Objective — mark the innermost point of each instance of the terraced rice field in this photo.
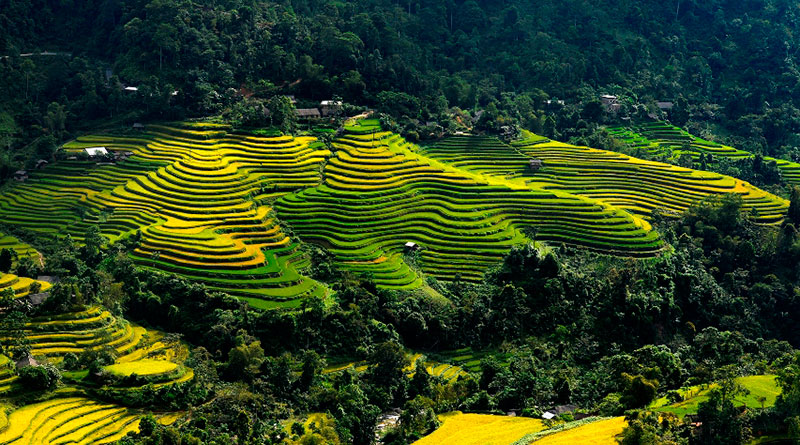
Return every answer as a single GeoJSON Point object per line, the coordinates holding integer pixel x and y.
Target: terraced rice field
{"type": "Point", "coordinates": [757, 386]}
{"type": "Point", "coordinates": [446, 371]}
{"type": "Point", "coordinates": [7, 375]}
{"type": "Point", "coordinates": [142, 368]}
{"type": "Point", "coordinates": [75, 332]}
{"type": "Point", "coordinates": [71, 417]}
{"type": "Point", "coordinates": [378, 194]}
{"type": "Point", "coordinates": [136, 349]}
{"type": "Point", "coordinates": [21, 249]}
{"type": "Point", "coordinates": [70, 420]}
{"type": "Point", "coordinates": [601, 432]}
{"type": "Point", "coordinates": [198, 194]}
{"type": "Point", "coordinates": [21, 285]}
{"type": "Point", "coordinates": [480, 429]}
{"type": "Point", "coordinates": [665, 139]}
{"type": "Point", "coordinates": [468, 359]}
{"type": "Point", "coordinates": [211, 205]}
{"type": "Point", "coordinates": [624, 182]}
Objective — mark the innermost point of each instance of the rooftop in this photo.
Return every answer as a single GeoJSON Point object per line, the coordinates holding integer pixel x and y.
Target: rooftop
{"type": "Point", "coordinates": [307, 112]}
{"type": "Point", "coordinates": [96, 151]}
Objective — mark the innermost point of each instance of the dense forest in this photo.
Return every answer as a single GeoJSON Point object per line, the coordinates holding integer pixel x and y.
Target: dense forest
{"type": "Point", "coordinates": [729, 66]}
{"type": "Point", "coordinates": [607, 335]}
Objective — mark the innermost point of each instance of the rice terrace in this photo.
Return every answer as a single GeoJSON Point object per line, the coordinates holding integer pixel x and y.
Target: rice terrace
{"type": "Point", "coordinates": [374, 222]}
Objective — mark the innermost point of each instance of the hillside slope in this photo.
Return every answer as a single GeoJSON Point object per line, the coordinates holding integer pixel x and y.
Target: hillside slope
{"type": "Point", "coordinates": [212, 205]}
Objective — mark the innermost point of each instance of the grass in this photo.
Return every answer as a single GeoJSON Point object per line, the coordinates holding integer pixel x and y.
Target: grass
{"type": "Point", "coordinates": [480, 429]}
{"type": "Point", "coordinates": [757, 386]}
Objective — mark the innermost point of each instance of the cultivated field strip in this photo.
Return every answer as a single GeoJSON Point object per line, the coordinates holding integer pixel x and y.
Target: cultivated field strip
{"type": "Point", "coordinates": [22, 286]}
{"type": "Point", "coordinates": [52, 337]}
{"type": "Point", "coordinates": [624, 182]}
{"type": "Point", "coordinates": [378, 194]}
{"type": "Point", "coordinates": [20, 249]}
{"type": "Point", "coordinates": [7, 375]}
{"type": "Point", "coordinates": [668, 140]}
{"type": "Point", "coordinates": [199, 197]}
{"type": "Point", "coordinates": [70, 420]}
{"type": "Point", "coordinates": [210, 205]}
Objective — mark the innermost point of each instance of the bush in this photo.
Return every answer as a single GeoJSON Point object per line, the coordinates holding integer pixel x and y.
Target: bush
{"type": "Point", "coordinates": [43, 377]}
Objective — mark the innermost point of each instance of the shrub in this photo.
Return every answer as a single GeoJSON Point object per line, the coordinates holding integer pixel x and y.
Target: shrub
{"type": "Point", "coordinates": [43, 377]}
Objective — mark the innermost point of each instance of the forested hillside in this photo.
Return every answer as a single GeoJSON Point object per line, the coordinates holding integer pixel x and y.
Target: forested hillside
{"type": "Point", "coordinates": [728, 64]}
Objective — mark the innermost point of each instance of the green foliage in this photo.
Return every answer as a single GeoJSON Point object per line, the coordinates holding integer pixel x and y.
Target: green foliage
{"type": "Point", "coordinates": [40, 378]}
{"type": "Point", "coordinates": [6, 260]}
{"type": "Point", "coordinates": [282, 114]}
{"type": "Point", "coordinates": [654, 429]}
{"type": "Point", "coordinates": [637, 391]}
{"type": "Point", "coordinates": [15, 343]}
{"type": "Point", "coordinates": [245, 360]}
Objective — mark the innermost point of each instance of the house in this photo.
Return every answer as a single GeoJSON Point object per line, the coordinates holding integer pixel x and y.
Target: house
{"type": "Point", "coordinates": [560, 103]}
{"type": "Point", "coordinates": [130, 89]}
{"type": "Point", "coordinates": [412, 246]}
{"type": "Point", "coordinates": [20, 175]}
{"type": "Point", "coordinates": [138, 126]}
{"type": "Point", "coordinates": [608, 99]}
{"type": "Point", "coordinates": [563, 409]}
{"type": "Point", "coordinates": [558, 410]}
{"type": "Point", "coordinates": [41, 163]}
{"type": "Point", "coordinates": [307, 113]}
{"type": "Point", "coordinates": [96, 151]}
{"type": "Point", "coordinates": [535, 164]}
{"type": "Point", "coordinates": [330, 107]}
{"type": "Point", "coordinates": [38, 298]}
{"type": "Point", "coordinates": [610, 102]}
{"type": "Point", "coordinates": [665, 106]}
{"type": "Point", "coordinates": [52, 279]}
{"type": "Point", "coordinates": [26, 361]}
{"type": "Point", "coordinates": [693, 420]}
{"type": "Point", "coordinates": [122, 155]}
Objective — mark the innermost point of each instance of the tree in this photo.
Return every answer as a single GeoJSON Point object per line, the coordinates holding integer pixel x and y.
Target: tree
{"type": "Point", "coordinates": [244, 361]}
{"type": "Point", "coordinates": [387, 364]}
{"type": "Point", "coordinates": [647, 428]}
{"type": "Point", "coordinates": [793, 215]}
{"type": "Point", "coordinates": [8, 130]}
{"type": "Point", "coordinates": [42, 377]}
{"type": "Point", "coordinates": [723, 423]}
{"type": "Point", "coordinates": [55, 119]}
{"type": "Point", "coordinates": [6, 259]}
{"type": "Point", "coordinates": [92, 244]}
{"type": "Point", "coordinates": [638, 391]}
{"type": "Point", "coordinates": [355, 416]}
{"type": "Point", "coordinates": [313, 364]}
{"type": "Point", "coordinates": [282, 113]}
{"type": "Point", "coordinates": [418, 418]}
{"type": "Point", "coordinates": [14, 342]}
